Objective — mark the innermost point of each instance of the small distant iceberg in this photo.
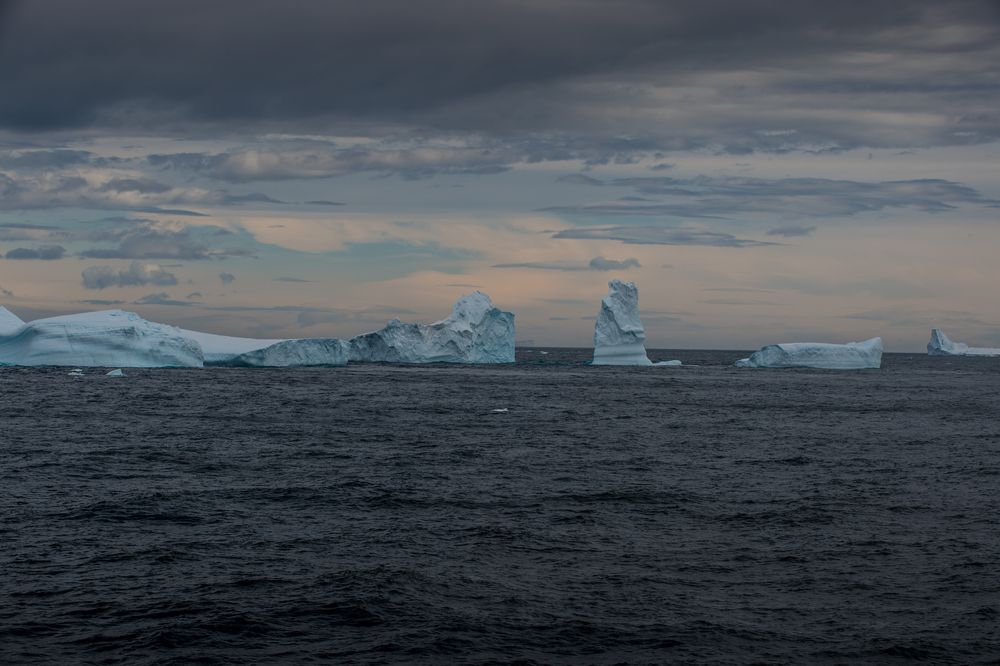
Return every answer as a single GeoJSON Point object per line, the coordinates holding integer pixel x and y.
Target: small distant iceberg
{"type": "Point", "coordinates": [940, 345]}
{"type": "Point", "coordinates": [850, 356]}
{"type": "Point", "coordinates": [307, 352]}
{"type": "Point", "coordinates": [476, 331]}
{"type": "Point", "coordinates": [667, 364]}
{"type": "Point", "coordinates": [619, 338]}
{"type": "Point", "coordinates": [107, 338]}
{"type": "Point", "coordinates": [115, 373]}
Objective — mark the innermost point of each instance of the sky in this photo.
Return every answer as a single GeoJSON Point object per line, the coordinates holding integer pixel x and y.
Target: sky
{"type": "Point", "coordinates": [764, 171]}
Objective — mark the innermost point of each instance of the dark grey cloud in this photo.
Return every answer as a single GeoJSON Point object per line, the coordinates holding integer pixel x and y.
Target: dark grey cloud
{"type": "Point", "coordinates": [580, 179]}
{"type": "Point", "coordinates": [648, 235]}
{"type": "Point", "coordinates": [757, 74]}
{"type": "Point", "coordinates": [708, 197]}
{"type": "Point", "coordinates": [51, 188]}
{"type": "Point", "coordinates": [161, 298]}
{"type": "Point", "coordinates": [226, 278]}
{"type": "Point", "coordinates": [137, 274]}
{"type": "Point", "coordinates": [602, 264]}
{"type": "Point", "coordinates": [44, 252]}
{"type": "Point", "coordinates": [290, 279]}
{"type": "Point", "coordinates": [145, 240]}
{"type": "Point", "coordinates": [595, 264]}
{"type": "Point", "coordinates": [100, 301]}
{"type": "Point", "coordinates": [43, 159]}
{"type": "Point", "coordinates": [790, 231]}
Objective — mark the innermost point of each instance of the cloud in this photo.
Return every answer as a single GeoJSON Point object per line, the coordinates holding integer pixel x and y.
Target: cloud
{"type": "Point", "coordinates": [639, 235]}
{"type": "Point", "coordinates": [753, 75]}
{"type": "Point", "coordinates": [44, 252]}
{"type": "Point", "coordinates": [142, 239]}
{"type": "Point", "coordinates": [730, 196]}
{"type": "Point", "coordinates": [43, 159]}
{"type": "Point", "coordinates": [602, 264]}
{"type": "Point", "coordinates": [138, 273]}
{"type": "Point", "coordinates": [19, 232]}
{"type": "Point", "coordinates": [100, 301]}
{"type": "Point", "coordinates": [161, 298]}
{"type": "Point", "coordinates": [226, 278]}
{"type": "Point", "coordinates": [791, 230]}
{"type": "Point", "coordinates": [290, 279]}
{"type": "Point", "coordinates": [595, 264]}
{"type": "Point", "coordinates": [580, 179]}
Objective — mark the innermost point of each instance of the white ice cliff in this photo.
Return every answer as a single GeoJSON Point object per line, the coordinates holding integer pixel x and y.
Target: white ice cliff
{"type": "Point", "coordinates": [940, 345]}
{"type": "Point", "coordinates": [618, 335]}
{"type": "Point", "coordinates": [108, 338]}
{"type": "Point", "coordinates": [294, 353]}
{"type": "Point", "coordinates": [851, 356]}
{"type": "Point", "coordinates": [475, 332]}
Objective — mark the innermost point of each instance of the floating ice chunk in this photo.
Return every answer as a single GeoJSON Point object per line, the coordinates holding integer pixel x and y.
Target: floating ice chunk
{"type": "Point", "coordinates": [940, 345]}
{"type": "Point", "coordinates": [293, 353]}
{"type": "Point", "coordinates": [105, 338]}
{"type": "Point", "coordinates": [853, 355]}
{"type": "Point", "coordinates": [220, 349]}
{"type": "Point", "coordinates": [475, 332]}
{"type": "Point", "coordinates": [116, 373]}
{"type": "Point", "coordinates": [75, 372]}
{"type": "Point", "coordinates": [668, 364]}
{"type": "Point", "coordinates": [502, 410]}
{"type": "Point", "coordinates": [618, 334]}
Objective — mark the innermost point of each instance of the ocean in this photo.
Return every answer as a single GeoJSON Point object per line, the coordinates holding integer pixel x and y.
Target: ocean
{"type": "Point", "coordinates": [387, 514]}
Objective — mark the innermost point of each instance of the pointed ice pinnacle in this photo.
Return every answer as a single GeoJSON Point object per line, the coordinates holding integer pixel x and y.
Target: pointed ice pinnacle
{"type": "Point", "coordinates": [115, 373]}
{"type": "Point", "coordinates": [618, 334]}
{"type": "Point", "coordinates": [940, 345]}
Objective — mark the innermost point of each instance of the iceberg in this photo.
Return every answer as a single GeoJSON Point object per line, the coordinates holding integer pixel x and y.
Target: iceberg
{"type": "Point", "coordinates": [850, 356]}
{"type": "Point", "coordinates": [475, 332]}
{"type": "Point", "coordinates": [105, 338]}
{"type": "Point", "coordinates": [115, 373]}
{"type": "Point", "coordinates": [618, 334]}
{"type": "Point", "coordinates": [940, 345]}
{"type": "Point", "coordinates": [221, 349]}
{"type": "Point", "coordinates": [10, 323]}
{"type": "Point", "coordinates": [294, 353]}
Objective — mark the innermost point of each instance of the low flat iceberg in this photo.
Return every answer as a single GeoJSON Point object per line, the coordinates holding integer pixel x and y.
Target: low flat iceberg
{"type": "Point", "coordinates": [850, 356]}
{"type": "Point", "coordinates": [475, 332]}
{"type": "Point", "coordinates": [294, 353]}
{"type": "Point", "coordinates": [107, 338]}
{"type": "Point", "coordinates": [619, 338]}
{"type": "Point", "coordinates": [940, 345]}
{"type": "Point", "coordinates": [221, 349]}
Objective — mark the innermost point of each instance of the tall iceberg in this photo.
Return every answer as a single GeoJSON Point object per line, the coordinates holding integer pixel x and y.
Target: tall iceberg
{"type": "Point", "coordinates": [850, 356]}
{"type": "Point", "coordinates": [941, 345]}
{"type": "Point", "coordinates": [107, 338]}
{"type": "Point", "coordinates": [294, 353]}
{"type": "Point", "coordinates": [476, 331]}
{"type": "Point", "coordinates": [619, 338]}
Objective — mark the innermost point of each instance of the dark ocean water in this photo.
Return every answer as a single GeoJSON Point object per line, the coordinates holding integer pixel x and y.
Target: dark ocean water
{"type": "Point", "coordinates": [383, 514]}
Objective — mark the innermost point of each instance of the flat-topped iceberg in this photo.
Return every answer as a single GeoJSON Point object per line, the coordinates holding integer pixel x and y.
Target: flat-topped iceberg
{"type": "Point", "coordinates": [108, 338]}
{"type": "Point", "coordinates": [850, 356]}
{"type": "Point", "coordinates": [475, 332]}
{"type": "Point", "coordinates": [940, 345]}
{"type": "Point", "coordinates": [294, 353]}
{"type": "Point", "coordinates": [619, 338]}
